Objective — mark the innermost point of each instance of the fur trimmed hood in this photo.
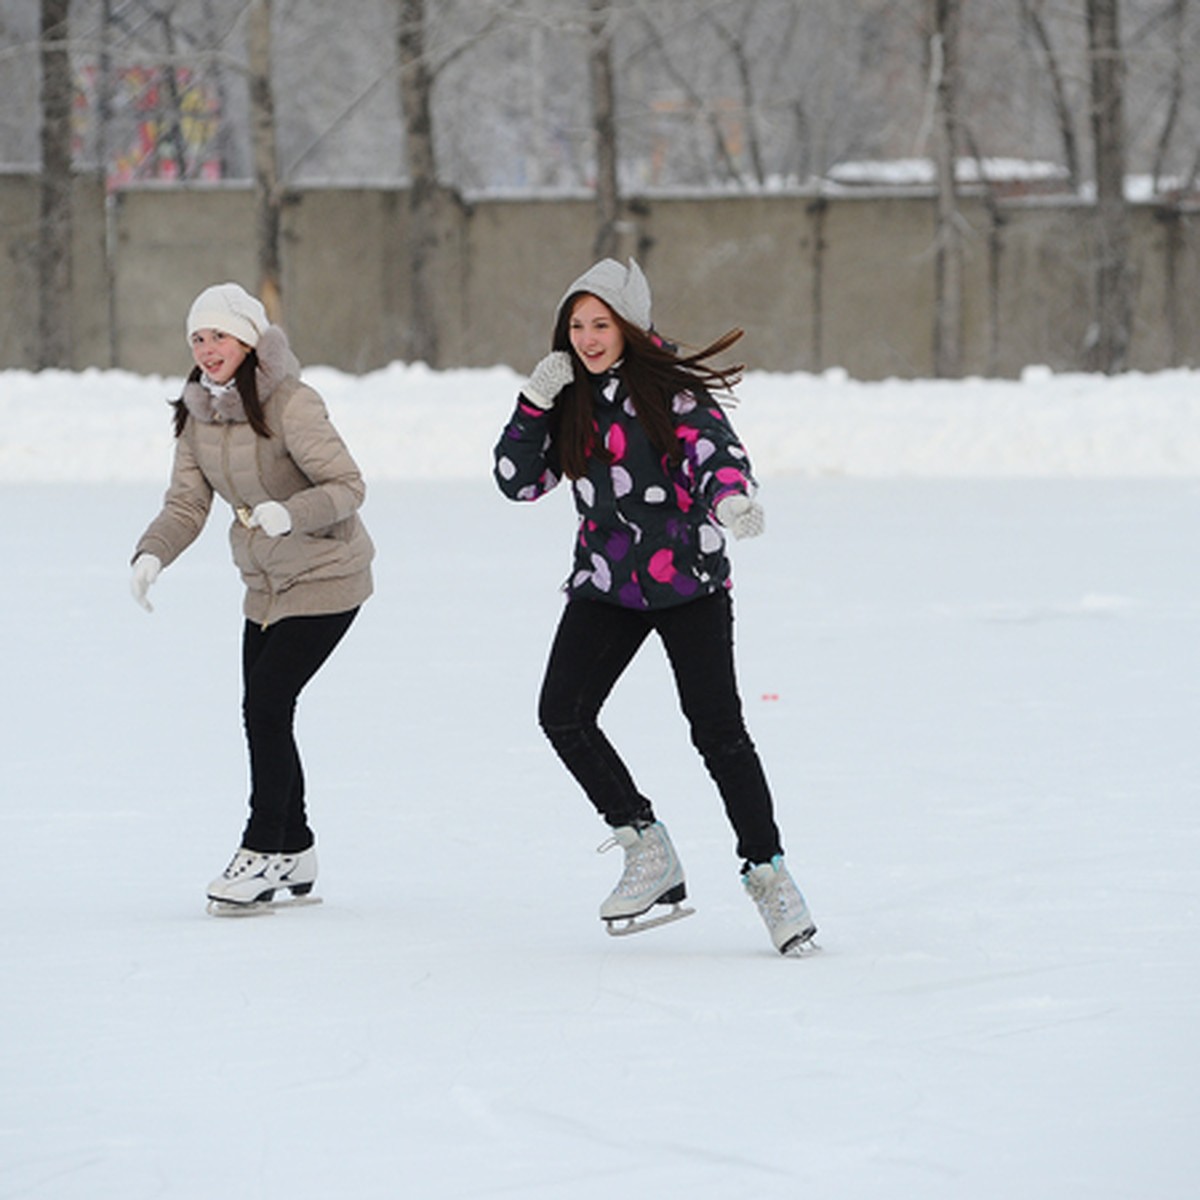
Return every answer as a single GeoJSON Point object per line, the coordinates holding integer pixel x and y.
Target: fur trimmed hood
{"type": "Point", "coordinates": [276, 362]}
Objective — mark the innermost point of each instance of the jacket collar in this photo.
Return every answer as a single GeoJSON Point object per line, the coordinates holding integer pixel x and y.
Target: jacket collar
{"type": "Point", "coordinates": [213, 404]}
{"type": "Point", "coordinates": [608, 387]}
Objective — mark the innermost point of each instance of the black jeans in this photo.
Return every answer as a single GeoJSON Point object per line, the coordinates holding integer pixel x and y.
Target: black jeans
{"type": "Point", "coordinates": [594, 644]}
{"type": "Point", "coordinates": [276, 664]}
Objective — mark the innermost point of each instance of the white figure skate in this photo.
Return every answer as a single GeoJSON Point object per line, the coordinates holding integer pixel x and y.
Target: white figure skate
{"type": "Point", "coordinates": [782, 907]}
{"type": "Point", "coordinates": [248, 885]}
{"type": "Point", "coordinates": [652, 875]}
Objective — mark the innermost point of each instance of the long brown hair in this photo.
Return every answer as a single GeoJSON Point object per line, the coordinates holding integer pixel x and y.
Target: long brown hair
{"type": "Point", "coordinates": [246, 378]}
{"type": "Point", "coordinates": [654, 373]}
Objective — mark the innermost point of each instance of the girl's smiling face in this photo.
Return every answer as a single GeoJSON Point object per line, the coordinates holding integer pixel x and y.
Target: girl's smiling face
{"type": "Point", "coordinates": [218, 354]}
{"type": "Point", "coordinates": [595, 335]}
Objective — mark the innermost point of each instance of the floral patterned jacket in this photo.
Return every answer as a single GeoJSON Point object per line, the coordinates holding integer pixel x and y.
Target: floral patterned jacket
{"type": "Point", "coordinates": [647, 535]}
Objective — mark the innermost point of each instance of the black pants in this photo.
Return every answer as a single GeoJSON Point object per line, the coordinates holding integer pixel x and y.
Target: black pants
{"type": "Point", "coordinates": [594, 644]}
{"type": "Point", "coordinates": [276, 664]}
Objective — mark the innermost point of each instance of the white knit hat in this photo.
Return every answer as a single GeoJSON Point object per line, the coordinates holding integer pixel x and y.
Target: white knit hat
{"type": "Point", "coordinates": [624, 289]}
{"type": "Point", "coordinates": [231, 309]}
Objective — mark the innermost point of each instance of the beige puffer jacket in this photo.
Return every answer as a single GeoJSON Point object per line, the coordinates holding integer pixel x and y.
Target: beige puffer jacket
{"type": "Point", "coordinates": [324, 564]}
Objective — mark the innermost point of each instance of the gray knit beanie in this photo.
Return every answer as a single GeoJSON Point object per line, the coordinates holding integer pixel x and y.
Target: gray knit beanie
{"type": "Point", "coordinates": [624, 289]}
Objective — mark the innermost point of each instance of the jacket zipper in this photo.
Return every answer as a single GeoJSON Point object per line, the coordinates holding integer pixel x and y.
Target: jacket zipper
{"type": "Point", "coordinates": [241, 506]}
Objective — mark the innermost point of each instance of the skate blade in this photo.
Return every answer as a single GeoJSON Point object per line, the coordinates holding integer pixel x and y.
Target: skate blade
{"type": "Point", "coordinates": [259, 908]}
{"type": "Point", "coordinates": [803, 946]}
{"type": "Point", "coordinates": [622, 926]}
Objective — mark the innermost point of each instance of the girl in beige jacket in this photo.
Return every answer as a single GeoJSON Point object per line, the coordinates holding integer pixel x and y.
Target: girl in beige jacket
{"type": "Point", "coordinates": [249, 431]}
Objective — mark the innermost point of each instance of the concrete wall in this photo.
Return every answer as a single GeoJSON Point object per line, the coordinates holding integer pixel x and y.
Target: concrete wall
{"type": "Point", "coordinates": [19, 223]}
{"type": "Point", "coordinates": [815, 281]}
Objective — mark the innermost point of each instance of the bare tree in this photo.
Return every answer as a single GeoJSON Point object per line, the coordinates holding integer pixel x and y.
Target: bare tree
{"type": "Point", "coordinates": [428, 201]}
{"type": "Point", "coordinates": [736, 44]}
{"type": "Point", "coordinates": [1031, 13]}
{"type": "Point", "coordinates": [54, 237]}
{"type": "Point", "coordinates": [268, 197]}
{"type": "Point", "coordinates": [1177, 15]}
{"type": "Point", "coordinates": [995, 251]}
{"type": "Point", "coordinates": [604, 124]}
{"type": "Point", "coordinates": [104, 106]}
{"type": "Point", "coordinates": [948, 250]}
{"type": "Point", "coordinates": [754, 77]}
{"type": "Point", "coordinates": [173, 109]}
{"type": "Point", "coordinates": [725, 165]}
{"type": "Point", "coordinates": [416, 100]}
{"type": "Point", "coordinates": [1109, 339]}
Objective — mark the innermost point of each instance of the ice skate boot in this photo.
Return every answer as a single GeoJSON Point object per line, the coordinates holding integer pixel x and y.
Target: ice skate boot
{"type": "Point", "coordinates": [653, 875]}
{"type": "Point", "coordinates": [781, 906]}
{"type": "Point", "coordinates": [252, 878]}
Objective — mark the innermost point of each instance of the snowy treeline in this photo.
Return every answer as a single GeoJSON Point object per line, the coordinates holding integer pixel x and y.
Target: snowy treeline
{"type": "Point", "coordinates": [708, 92]}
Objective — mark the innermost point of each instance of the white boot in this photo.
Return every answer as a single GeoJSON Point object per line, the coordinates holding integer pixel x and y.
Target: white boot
{"type": "Point", "coordinates": [652, 875]}
{"type": "Point", "coordinates": [781, 906]}
{"type": "Point", "coordinates": [253, 876]}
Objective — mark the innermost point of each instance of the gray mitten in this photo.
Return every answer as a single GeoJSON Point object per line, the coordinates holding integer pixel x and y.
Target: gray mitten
{"type": "Point", "coordinates": [549, 378]}
{"type": "Point", "coordinates": [742, 516]}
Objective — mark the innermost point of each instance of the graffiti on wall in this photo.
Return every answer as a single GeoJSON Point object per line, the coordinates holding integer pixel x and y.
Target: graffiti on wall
{"type": "Point", "coordinates": [162, 124]}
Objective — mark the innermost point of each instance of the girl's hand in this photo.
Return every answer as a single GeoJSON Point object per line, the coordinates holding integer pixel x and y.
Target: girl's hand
{"type": "Point", "coordinates": [145, 571]}
{"type": "Point", "coordinates": [742, 516]}
{"type": "Point", "coordinates": [272, 518]}
{"type": "Point", "coordinates": [549, 378]}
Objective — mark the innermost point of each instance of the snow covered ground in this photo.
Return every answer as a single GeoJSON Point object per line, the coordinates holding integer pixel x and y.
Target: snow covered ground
{"type": "Point", "coordinates": [968, 649]}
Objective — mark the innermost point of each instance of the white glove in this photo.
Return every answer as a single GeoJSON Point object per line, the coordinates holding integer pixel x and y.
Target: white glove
{"type": "Point", "coordinates": [145, 571]}
{"type": "Point", "coordinates": [272, 518]}
{"type": "Point", "coordinates": [742, 516]}
{"type": "Point", "coordinates": [549, 378]}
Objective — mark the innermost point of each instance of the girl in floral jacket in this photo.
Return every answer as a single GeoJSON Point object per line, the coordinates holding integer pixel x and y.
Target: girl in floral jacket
{"type": "Point", "coordinates": [658, 475]}
{"type": "Point", "coordinates": [248, 431]}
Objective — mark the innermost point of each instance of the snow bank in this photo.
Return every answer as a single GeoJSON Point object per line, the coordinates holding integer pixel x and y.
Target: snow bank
{"type": "Point", "coordinates": [408, 422]}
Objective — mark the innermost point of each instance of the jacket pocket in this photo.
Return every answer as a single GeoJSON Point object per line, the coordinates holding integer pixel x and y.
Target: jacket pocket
{"type": "Point", "coordinates": [245, 559]}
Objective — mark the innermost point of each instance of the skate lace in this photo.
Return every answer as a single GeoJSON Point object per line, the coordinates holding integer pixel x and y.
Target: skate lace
{"type": "Point", "coordinates": [241, 862]}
